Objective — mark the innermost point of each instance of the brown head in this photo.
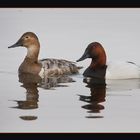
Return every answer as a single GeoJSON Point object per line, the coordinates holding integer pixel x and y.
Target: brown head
{"type": "Point", "coordinates": [30, 64]}
{"type": "Point", "coordinates": [30, 41]}
{"type": "Point", "coordinates": [26, 40]}
{"type": "Point", "coordinates": [96, 52]}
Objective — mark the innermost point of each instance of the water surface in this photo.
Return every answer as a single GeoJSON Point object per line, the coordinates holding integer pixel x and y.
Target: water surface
{"type": "Point", "coordinates": [28, 104]}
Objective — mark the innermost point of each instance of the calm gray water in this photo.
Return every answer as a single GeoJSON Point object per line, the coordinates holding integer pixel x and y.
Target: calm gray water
{"type": "Point", "coordinates": [65, 107]}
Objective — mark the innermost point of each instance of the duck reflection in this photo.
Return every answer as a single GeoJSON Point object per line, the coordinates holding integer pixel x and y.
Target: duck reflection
{"type": "Point", "coordinates": [53, 82]}
{"type": "Point", "coordinates": [32, 83]}
{"type": "Point", "coordinates": [28, 118]}
{"type": "Point", "coordinates": [97, 96]}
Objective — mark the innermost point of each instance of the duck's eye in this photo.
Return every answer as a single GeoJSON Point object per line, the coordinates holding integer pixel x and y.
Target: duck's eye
{"type": "Point", "coordinates": [27, 37]}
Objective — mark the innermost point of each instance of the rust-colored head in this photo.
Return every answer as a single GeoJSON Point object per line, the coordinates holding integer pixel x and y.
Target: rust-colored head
{"type": "Point", "coordinates": [95, 51]}
{"type": "Point", "coordinates": [97, 68]}
{"type": "Point", "coordinates": [27, 40]}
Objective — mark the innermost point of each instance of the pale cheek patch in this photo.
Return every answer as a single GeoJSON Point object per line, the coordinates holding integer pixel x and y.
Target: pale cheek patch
{"type": "Point", "coordinates": [31, 51]}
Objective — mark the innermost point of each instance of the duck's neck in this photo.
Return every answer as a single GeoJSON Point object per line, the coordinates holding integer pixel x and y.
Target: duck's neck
{"type": "Point", "coordinates": [98, 62]}
{"type": "Point", "coordinates": [97, 68]}
{"type": "Point", "coordinates": [30, 63]}
{"type": "Point", "coordinates": [32, 53]}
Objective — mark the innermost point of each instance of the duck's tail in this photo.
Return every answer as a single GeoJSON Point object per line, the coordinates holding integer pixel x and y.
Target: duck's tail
{"type": "Point", "coordinates": [133, 64]}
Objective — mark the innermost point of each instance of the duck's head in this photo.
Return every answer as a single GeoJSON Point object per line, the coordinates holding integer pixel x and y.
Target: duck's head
{"type": "Point", "coordinates": [97, 68]}
{"type": "Point", "coordinates": [30, 41]}
{"type": "Point", "coordinates": [27, 40]}
{"type": "Point", "coordinates": [95, 51]}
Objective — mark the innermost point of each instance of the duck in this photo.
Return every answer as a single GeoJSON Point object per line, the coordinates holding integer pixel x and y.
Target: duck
{"type": "Point", "coordinates": [101, 69]}
{"type": "Point", "coordinates": [44, 67]}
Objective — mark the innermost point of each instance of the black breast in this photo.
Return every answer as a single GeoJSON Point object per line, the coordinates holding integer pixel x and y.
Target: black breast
{"type": "Point", "coordinates": [95, 73]}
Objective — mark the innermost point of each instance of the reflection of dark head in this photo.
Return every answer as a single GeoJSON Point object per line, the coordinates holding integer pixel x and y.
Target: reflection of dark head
{"type": "Point", "coordinates": [97, 88]}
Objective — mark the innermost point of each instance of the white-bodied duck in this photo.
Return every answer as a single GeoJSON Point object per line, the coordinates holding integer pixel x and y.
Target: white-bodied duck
{"type": "Point", "coordinates": [113, 70]}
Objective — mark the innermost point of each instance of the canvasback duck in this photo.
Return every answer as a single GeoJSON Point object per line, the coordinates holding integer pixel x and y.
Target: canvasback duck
{"type": "Point", "coordinates": [113, 70]}
{"type": "Point", "coordinates": [49, 67]}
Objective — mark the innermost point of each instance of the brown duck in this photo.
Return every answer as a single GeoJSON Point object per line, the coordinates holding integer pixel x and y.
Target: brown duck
{"type": "Point", "coordinates": [49, 67]}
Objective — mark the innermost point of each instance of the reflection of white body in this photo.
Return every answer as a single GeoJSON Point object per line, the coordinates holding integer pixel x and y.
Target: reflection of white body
{"type": "Point", "coordinates": [123, 84]}
{"type": "Point", "coordinates": [122, 70]}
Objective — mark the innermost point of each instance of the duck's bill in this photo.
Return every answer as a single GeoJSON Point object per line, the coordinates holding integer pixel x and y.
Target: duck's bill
{"type": "Point", "coordinates": [84, 56]}
{"type": "Point", "coordinates": [15, 45]}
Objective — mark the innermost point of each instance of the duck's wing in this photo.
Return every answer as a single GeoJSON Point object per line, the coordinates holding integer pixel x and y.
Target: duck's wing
{"type": "Point", "coordinates": [59, 66]}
